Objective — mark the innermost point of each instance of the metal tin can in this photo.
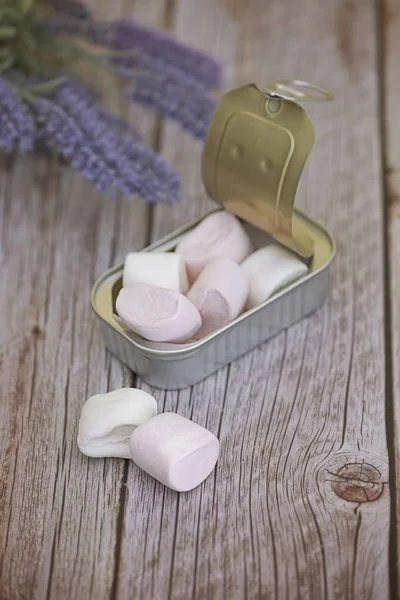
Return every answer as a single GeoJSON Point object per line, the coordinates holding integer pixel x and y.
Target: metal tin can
{"type": "Point", "coordinates": [254, 154]}
{"type": "Point", "coordinates": [173, 366]}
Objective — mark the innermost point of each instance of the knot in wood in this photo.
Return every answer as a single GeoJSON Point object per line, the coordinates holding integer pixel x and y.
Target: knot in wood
{"type": "Point", "coordinates": [37, 332]}
{"type": "Point", "coordinates": [358, 482]}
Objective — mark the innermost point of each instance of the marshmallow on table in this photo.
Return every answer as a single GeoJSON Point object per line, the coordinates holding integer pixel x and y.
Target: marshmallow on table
{"type": "Point", "coordinates": [268, 270]}
{"type": "Point", "coordinates": [108, 420]}
{"type": "Point", "coordinates": [163, 269]}
{"type": "Point", "coordinates": [175, 451]}
{"type": "Point", "coordinates": [157, 314]}
{"type": "Point", "coordinates": [219, 294]}
{"type": "Point", "coordinates": [219, 235]}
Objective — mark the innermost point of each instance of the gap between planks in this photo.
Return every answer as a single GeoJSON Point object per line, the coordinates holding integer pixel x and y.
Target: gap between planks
{"type": "Point", "coordinates": [388, 12]}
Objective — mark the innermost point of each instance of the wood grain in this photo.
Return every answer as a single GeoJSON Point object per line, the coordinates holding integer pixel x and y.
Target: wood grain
{"type": "Point", "coordinates": [58, 509]}
{"type": "Point", "coordinates": [298, 506]}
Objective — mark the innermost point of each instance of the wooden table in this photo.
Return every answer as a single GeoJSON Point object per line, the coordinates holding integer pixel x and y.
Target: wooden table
{"type": "Point", "coordinates": [303, 503]}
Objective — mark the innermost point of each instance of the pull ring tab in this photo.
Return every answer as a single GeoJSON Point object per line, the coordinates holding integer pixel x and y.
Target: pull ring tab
{"type": "Point", "coordinates": [296, 90]}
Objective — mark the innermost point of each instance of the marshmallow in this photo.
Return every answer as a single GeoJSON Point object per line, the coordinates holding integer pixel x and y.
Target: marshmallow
{"type": "Point", "coordinates": [219, 235]}
{"type": "Point", "coordinates": [269, 269]}
{"type": "Point", "coordinates": [157, 314]}
{"type": "Point", "coordinates": [219, 294]}
{"type": "Point", "coordinates": [175, 451]}
{"type": "Point", "coordinates": [163, 269]}
{"type": "Point", "coordinates": [107, 421]}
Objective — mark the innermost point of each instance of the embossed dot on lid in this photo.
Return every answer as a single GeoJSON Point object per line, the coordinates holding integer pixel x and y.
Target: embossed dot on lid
{"type": "Point", "coordinates": [236, 151]}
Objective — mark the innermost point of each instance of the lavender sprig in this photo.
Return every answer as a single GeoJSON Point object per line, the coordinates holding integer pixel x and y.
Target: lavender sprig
{"type": "Point", "coordinates": [196, 64]}
{"type": "Point", "coordinates": [80, 104]}
{"type": "Point", "coordinates": [61, 114]}
{"type": "Point", "coordinates": [17, 128]}
{"type": "Point", "coordinates": [129, 35]}
{"type": "Point", "coordinates": [165, 75]}
{"type": "Point", "coordinates": [177, 96]}
{"type": "Point", "coordinates": [75, 127]}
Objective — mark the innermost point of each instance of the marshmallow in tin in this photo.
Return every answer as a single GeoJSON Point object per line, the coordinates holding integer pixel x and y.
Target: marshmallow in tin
{"type": "Point", "coordinates": [157, 314]}
{"type": "Point", "coordinates": [220, 235]}
{"type": "Point", "coordinates": [108, 420]}
{"type": "Point", "coordinates": [162, 269]}
{"type": "Point", "coordinates": [219, 294]}
{"type": "Point", "coordinates": [175, 451]}
{"type": "Point", "coordinates": [270, 269]}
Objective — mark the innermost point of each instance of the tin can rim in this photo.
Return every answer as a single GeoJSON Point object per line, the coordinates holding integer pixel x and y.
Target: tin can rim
{"type": "Point", "coordinates": [194, 347]}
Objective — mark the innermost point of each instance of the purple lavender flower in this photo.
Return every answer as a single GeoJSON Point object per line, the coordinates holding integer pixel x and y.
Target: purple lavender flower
{"type": "Point", "coordinates": [73, 125]}
{"type": "Point", "coordinates": [129, 35]}
{"type": "Point", "coordinates": [76, 100]}
{"type": "Point", "coordinates": [120, 127]}
{"type": "Point", "coordinates": [196, 64]}
{"type": "Point", "coordinates": [166, 75]}
{"type": "Point", "coordinates": [17, 129]}
{"type": "Point", "coordinates": [174, 94]}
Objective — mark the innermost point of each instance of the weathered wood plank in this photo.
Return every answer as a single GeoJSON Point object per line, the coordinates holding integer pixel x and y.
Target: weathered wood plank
{"type": "Point", "coordinates": [301, 418]}
{"type": "Point", "coordinates": [59, 510]}
{"type": "Point", "coordinates": [269, 523]}
{"type": "Point", "coordinates": [165, 516]}
{"type": "Point", "coordinates": [390, 32]}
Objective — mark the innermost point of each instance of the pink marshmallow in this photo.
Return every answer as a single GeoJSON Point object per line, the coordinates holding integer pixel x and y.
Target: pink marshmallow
{"type": "Point", "coordinates": [175, 451]}
{"type": "Point", "coordinates": [219, 294]}
{"type": "Point", "coordinates": [219, 235]}
{"type": "Point", "coordinates": [157, 314]}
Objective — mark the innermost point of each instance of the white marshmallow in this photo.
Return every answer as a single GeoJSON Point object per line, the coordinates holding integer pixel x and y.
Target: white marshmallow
{"type": "Point", "coordinates": [157, 314]}
{"type": "Point", "coordinates": [163, 269]}
{"type": "Point", "coordinates": [220, 235]}
{"type": "Point", "coordinates": [268, 270]}
{"type": "Point", "coordinates": [219, 294]}
{"type": "Point", "coordinates": [107, 421]}
{"type": "Point", "coordinates": [175, 451]}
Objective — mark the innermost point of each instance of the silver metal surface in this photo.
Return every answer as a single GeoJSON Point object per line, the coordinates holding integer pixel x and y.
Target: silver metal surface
{"type": "Point", "coordinates": [173, 366]}
{"type": "Point", "coordinates": [297, 90]}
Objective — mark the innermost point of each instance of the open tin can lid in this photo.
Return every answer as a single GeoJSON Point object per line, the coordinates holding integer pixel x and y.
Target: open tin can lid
{"type": "Point", "coordinates": [256, 147]}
